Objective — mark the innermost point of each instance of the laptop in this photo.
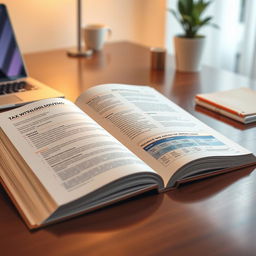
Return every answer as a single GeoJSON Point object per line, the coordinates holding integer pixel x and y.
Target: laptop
{"type": "Point", "coordinates": [16, 87]}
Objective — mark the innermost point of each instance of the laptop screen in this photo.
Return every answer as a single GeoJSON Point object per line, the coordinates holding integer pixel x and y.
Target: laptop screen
{"type": "Point", "coordinates": [11, 63]}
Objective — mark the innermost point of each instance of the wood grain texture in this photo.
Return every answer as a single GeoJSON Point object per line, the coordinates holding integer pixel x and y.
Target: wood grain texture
{"type": "Point", "coordinates": [215, 216]}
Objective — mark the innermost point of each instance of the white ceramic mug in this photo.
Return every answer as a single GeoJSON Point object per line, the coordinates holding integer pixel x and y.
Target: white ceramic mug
{"type": "Point", "coordinates": [95, 36]}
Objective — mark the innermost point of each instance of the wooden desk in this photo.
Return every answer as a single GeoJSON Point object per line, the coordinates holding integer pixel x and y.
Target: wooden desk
{"type": "Point", "coordinates": [216, 216]}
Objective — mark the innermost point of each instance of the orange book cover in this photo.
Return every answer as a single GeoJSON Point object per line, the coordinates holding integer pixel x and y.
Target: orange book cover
{"type": "Point", "coordinates": [240, 101]}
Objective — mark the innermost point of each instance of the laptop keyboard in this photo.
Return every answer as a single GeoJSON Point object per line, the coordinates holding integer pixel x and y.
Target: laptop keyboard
{"type": "Point", "coordinates": [14, 87]}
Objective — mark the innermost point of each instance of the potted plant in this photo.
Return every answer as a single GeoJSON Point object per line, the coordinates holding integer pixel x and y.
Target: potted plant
{"type": "Point", "coordinates": [189, 45]}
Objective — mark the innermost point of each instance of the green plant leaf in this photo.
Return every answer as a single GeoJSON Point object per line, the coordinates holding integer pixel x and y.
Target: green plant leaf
{"type": "Point", "coordinates": [175, 14]}
{"type": "Point", "coordinates": [205, 21]}
{"type": "Point", "coordinates": [190, 4]}
{"type": "Point", "coordinates": [214, 25]}
{"type": "Point", "coordinates": [185, 6]}
{"type": "Point", "coordinates": [182, 7]}
{"type": "Point", "coordinates": [188, 18]}
{"type": "Point", "coordinates": [201, 6]}
{"type": "Point", "coordinates": [189, 15]}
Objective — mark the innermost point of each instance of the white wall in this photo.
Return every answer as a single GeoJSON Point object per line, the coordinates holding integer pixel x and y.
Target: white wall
{"type": "Point", "coordinates": [172, 26]}
{"type": "Point", "coordinates": [49, 24]}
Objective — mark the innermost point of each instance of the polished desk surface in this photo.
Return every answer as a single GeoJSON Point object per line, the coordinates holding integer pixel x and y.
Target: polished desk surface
{"type": "Point", "coordinates": [216, 216]}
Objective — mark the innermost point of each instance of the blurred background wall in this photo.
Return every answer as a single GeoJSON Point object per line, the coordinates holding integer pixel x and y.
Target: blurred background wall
{"type": "Point", "coordinates": [49, 24]}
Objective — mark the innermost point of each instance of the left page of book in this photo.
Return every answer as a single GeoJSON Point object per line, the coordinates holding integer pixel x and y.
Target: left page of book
{"type": "Point", "coordinates": [70, 154]}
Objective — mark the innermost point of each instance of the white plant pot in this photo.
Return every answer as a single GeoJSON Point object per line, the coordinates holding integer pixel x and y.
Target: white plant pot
{"type": "Point", "coordinates": [188, 53]}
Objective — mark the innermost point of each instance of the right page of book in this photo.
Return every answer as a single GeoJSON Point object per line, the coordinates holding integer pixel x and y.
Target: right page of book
{"type": "Point", "coordinates": [158, 131]}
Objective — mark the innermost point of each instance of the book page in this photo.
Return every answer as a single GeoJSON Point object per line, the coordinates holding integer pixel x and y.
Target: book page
{"type": "Point", "coordinates": [68, 151]}
{"type": "Point", "coordinates": [157, 130]}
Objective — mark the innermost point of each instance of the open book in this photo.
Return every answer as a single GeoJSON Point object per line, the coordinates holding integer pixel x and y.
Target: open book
{"type": "Point", "coordinates": [59, 159]}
